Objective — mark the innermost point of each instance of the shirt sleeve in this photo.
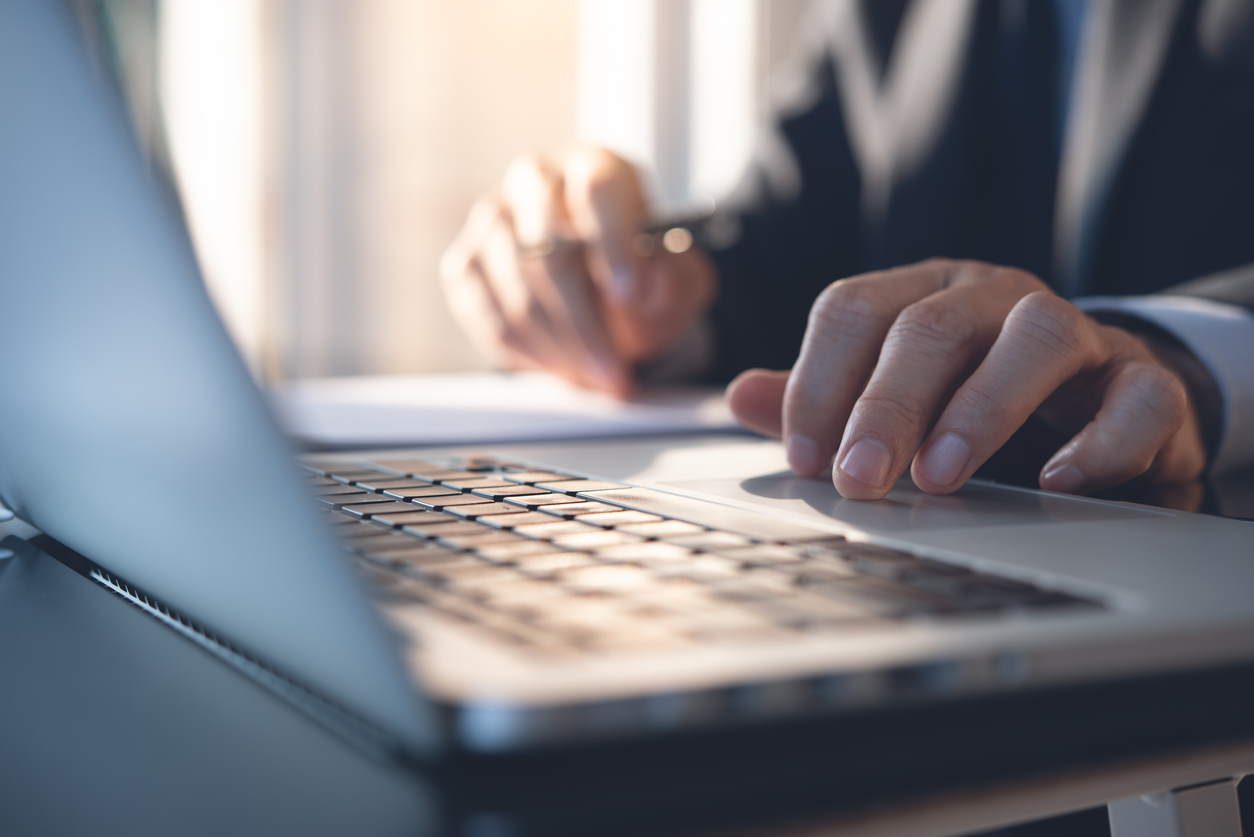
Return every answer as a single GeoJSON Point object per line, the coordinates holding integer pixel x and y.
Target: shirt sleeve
{"type": "Point", "coordinates": [1221, 336]}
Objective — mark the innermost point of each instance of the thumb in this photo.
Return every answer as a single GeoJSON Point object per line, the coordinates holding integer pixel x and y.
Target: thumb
{"type": "Point", "coordinates": [607, 209]}
{"type": "Point", "coordinates": [756, 399]}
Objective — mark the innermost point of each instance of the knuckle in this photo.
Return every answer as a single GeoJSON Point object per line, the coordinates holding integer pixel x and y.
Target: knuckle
{"type": "Point", "coordinates": [943, 266]}
{"type": "Point", "coordinates": [845, 307]}
{"type": "Point", "coordinates": [940, 263]}
{"type": "Point", "coordinates": [1051, 323]}
{"type": "Point", "coordinates": [885, 408]}
{"type": "Point", "coordinates": [1154, 390]}
{"type": "Point", "coordinates": [1016, 278]}
{"type": "Point", "coordinates": [934, 327]}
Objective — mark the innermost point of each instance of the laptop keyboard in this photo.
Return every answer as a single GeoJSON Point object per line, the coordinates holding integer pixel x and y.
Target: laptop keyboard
{"type": "Point", "coordinates": [556, 563]}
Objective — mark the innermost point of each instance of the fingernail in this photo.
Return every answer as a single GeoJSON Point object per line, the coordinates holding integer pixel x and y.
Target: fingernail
{"type": "Point", "coordinates": [867, 461]}
{"type": "Point", "coordinates": [803, 455]}
{"type": "Point", "coordinates": [945, 459]}
{"type": "Point", "coordinates": [1062, 476]}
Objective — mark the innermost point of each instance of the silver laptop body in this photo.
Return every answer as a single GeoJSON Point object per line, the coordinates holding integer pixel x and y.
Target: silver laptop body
{"type": "Point", "coordinates": [131, 433]}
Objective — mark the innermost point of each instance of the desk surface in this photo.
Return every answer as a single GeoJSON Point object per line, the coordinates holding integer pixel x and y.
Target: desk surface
{"type": "Point", "coordinates": [112, 724]}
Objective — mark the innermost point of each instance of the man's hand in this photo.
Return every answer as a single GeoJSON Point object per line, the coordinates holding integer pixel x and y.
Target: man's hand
{"type": "Point", "coordinates": [549, 275]}
{"type": "Point", "coordinates": [934, 366]}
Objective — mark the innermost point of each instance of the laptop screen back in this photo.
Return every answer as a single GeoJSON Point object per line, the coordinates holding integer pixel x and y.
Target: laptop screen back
{"type": "Point", "coordinates": [129, 429]}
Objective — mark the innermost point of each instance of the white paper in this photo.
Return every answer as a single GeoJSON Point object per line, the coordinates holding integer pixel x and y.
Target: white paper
{"type": "Point", "coordinates": [395, 410]}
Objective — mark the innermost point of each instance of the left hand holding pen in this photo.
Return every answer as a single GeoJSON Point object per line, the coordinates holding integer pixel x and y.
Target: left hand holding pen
{"type": "Point", "coordinates": [934, 366]}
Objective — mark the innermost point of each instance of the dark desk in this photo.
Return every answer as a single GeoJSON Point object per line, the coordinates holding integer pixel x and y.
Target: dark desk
{"type": "Point", "coordinates": [112, 724]}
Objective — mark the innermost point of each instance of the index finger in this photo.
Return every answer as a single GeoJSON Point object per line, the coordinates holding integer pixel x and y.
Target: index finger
{"type": "Point", "coordinates": [847, 325]}
{"type": "Point", "coordinates": [556, 276]}
{"type": "Point", "coordinates": [607, 210]}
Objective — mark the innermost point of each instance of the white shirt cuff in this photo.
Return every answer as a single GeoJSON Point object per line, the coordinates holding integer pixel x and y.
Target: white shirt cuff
{"type": "Point", "coordinates": [1221, 336]}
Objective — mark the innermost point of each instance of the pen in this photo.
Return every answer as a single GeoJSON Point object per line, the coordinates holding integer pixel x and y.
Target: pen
{"type": "Point", "coordinates": [671, 238]}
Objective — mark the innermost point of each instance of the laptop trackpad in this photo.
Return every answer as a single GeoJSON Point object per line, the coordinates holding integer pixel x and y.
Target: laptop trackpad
{"type": "Point", "coordinates": [978, 505]}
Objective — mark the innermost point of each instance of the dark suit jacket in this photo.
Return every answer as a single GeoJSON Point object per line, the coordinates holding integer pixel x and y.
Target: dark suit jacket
{"type": "Point", "coordinates": [907, 130]}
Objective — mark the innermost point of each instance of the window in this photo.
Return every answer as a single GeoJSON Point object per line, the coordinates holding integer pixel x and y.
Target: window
{"type": "Point", "coordinates": [327, 151]}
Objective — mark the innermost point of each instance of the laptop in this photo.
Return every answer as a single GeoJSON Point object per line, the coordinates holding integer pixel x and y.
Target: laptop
{"type": "Point", "coordinates": [445, 604]}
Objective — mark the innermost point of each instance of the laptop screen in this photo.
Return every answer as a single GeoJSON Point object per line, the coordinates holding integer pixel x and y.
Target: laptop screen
{"type": "Point", "coordinates": [129, 429]}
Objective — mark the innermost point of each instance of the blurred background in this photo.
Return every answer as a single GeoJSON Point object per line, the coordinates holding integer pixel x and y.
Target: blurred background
{"type": "Point", "coordinates": [327, 151]}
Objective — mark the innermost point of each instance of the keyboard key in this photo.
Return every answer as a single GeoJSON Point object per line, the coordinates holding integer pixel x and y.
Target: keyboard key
{"type": "Point", "coordinates": [337, 488]}
{"type": "Point", "coordinates": [368, 509]}
{"type": "Point", "coordinates": [508, 491]}
{"type": "Point", "coordinates": [390, 542]}
{"type": "Point", "coordinates": [578, 617]}
{"type": "Point", "coordinates": [522, 593]}
{"type": "Point", "coordinates": [410, 513]}
{"type": "Point", "coordinates": [551, 562]}
{"type": "Point", "coordinates": [513, 521]}
{"type": "Point", "coordinates": [579, 485]}
{"type": "Point", "coordinates": [593, 540]}
{"type": "Point", "coordinates": [529, 477]}
{"type": "Point", "coordinates": [514, 551]}
{"type": "Point", "coordinates": [478, 481]}
{"type": "Point", "coordinates": [475, 511]}
{"type": "Point", "coordinates": [577, 509]}
{"type": "Point", "coordinates": [426, 555]}
{"type": "Point", "coordinates": [387, 482]}
{"type": "Point", "coordinates": [446, 476]}
{"type": "Point", "coordinates": [447, 530]}
{"type": "Point", "coordinates": [645, 553]}
{"type": "Point", "coordinates": [353, 476]}
{"type": "Point", "coordinates": [721, 620]}
{"type": "Point", "coordinates": [413, 516]}
{"type": "Point", "coordinates": [447, 501]}
{"type": "Point", "coordinates": [431, 528]}
{"type": "Point", "coordinates": [557, 527]}
{"type": "Point", "coordinates": [470, 575]}
{"type": "Point", "coordinates": [535, 501]}
{"type": "Point", "coordinates": [358, 498]}
{"type": "Point", "coordinates": [699, 567]}
{"type": "Point", "coordinates": [613, 578]}
{"type": "Point", "coordinates": [352, 534]}
{"type": "Point", "coordinates": [618, 518]}
{"type": "Point", "coordinates": [476, 540]}
{"type": "Point", "coordinates": [420, 490]}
